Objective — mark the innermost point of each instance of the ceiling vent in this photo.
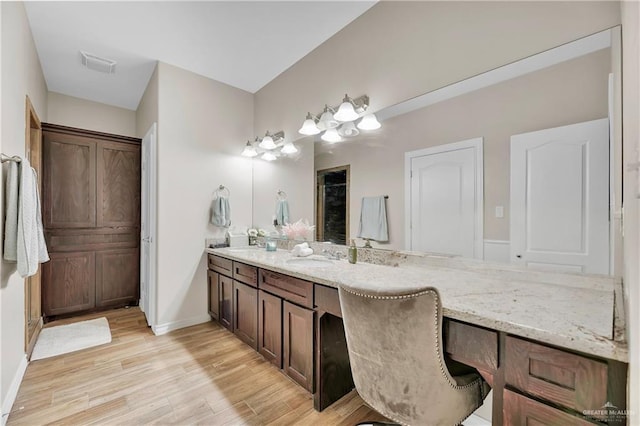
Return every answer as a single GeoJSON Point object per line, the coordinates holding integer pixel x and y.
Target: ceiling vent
{"type": "Point", "coordinates": [97, 63]}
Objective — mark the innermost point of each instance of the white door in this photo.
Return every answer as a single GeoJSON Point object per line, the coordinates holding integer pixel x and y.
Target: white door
{"type": "Point", "coordinates": [446, 198]}
{"type": "Point", "coordinates": [560, 198]}
{"type": "Point", "coordinates": [148, 227]}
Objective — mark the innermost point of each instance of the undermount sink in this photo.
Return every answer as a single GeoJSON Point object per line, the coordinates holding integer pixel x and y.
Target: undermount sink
{"type": "Point", "coordinates": [313, 262]}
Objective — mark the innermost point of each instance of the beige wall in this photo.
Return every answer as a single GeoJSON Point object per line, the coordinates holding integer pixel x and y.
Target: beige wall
{"type": "Point", "coordinates": [201, 126]}
{"type": "Point", "coordinates": [570, 92]}
{"type": "Point", "coordinates": [147, 112]}
{"type": "Point", "coordinates": [21, 75]}
{"type": "Point", "coordinates": [399, 50]}
{"type": "Point", "coordinates": [631, 148]}
{"type": "Point", "coordinates": [83, 114]}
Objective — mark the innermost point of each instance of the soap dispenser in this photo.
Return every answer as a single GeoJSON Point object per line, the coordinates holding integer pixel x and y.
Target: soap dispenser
{"type": "Point", "coordinates": [353, 252]}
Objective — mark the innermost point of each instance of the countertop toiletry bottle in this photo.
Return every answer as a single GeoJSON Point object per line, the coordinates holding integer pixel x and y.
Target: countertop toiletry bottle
{"type": "Point", "coordinates": [353, 252]}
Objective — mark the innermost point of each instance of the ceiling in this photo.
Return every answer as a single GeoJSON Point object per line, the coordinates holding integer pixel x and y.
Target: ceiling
{"type": "Point", "coordinates": [245, 44]}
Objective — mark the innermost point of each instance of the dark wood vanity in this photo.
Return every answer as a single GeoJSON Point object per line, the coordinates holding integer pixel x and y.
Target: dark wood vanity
{"type": "Point", "coordinates": [296, 325]}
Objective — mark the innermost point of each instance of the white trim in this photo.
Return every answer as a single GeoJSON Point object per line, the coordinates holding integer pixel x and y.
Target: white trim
{"type": "Point", "coordinates": [152, 175]}
{"type": "Point", "coordinates": [176, 325]}
{"type": "Point", "coordinates": [574, 49]}
{"type": "Point", "coordinates": [497, 251]}
{"type": "Point", "coordinates": [12, 392]}
{"type": "Point", "coordinates": [477, 144]}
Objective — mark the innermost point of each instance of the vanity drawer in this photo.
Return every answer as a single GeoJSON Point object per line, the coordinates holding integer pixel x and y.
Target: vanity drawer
{"type": "Point", "coordinates": [220, 265]}
{"type": "Point", "coordinates": [471, 345]}
{"type": "Point", "coordinates": [564, 378]}
{"type": "Point", "coordinates": [327, 299]}
{"type": "Point", "coordinates": [289, 288]}
{"type": "Point", "coordinates": [521, 411]}
{"type": "Point", "coordinates": [245, 273]}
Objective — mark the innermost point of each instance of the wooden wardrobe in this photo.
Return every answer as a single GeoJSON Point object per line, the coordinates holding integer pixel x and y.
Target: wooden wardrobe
{"type": "Point", "coordinates": [91, 217]}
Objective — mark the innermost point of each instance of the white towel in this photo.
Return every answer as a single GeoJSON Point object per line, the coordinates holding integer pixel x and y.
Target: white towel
{"type": "Point", "coordinates": [221, 212]}
{"type": "Point", "coordinates": [373, 219]}
{"type": "Point", "coordinates": [282, 212]}
{"type": "Point", "coordinates": [301, 250]}
{"type": "Point", "coordinates": [31, 248]}
{"type": "Point", "coordinates": [11, 219]}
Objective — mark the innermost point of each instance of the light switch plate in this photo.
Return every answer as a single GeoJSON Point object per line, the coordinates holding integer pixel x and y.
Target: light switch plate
{"type": "Point", "coordinates": [500, 212]}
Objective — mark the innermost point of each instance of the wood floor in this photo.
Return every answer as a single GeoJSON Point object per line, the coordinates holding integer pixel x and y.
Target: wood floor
{"type": "Point", "coordinates": [197, 375]}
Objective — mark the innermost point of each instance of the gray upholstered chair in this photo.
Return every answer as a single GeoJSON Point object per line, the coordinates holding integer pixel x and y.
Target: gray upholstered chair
{"type": "Point", "coordinates": [398, 365]}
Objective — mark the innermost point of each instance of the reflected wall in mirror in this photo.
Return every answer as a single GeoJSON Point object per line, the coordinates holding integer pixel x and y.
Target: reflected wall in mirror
{"type": "Point", "coordinates": [572, 90]}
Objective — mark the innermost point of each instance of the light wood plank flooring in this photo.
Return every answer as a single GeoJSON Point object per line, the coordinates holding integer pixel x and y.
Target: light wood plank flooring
{"type": "Point", "coordinates": [197, 375]}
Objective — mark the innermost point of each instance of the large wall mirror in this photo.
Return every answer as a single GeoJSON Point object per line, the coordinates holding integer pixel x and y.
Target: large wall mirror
{"type": "Point", "coordinates": [515, 164]}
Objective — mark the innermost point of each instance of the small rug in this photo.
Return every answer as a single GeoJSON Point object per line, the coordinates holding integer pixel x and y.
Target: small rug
{"type": "Point", "coordinates": [63, 339]}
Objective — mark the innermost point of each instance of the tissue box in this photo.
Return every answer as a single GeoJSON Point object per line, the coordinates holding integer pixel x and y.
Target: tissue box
{"type": "Point", "coordinates": [237, 238]}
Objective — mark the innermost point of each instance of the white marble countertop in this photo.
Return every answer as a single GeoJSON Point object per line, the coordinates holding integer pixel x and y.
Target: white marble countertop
{"type": "Point", "coordinates": [577, 316]}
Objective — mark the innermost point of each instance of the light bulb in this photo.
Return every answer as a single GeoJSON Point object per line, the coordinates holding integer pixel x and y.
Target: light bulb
{"type": "Point", "coordinates": [267, 142]}
{"type": "Point", "coordinates": [268, 156]}
{"type": "Point", "coordinates": [249, 150]}
{"type": "Point", "coordinates": [346, 111]}
{"type": "Point", "coordinates": [327, 121]}
{"type": "Point", "coordinates": [331, 135]}
{"type": "Point", "coordinates": [369, 122]}
{"type": "Point", "coordinates": [348, 130]}
{"type": "Point", "coordinates": [289, 148]}
{"type": "Point", "coordinates": [309, 126]}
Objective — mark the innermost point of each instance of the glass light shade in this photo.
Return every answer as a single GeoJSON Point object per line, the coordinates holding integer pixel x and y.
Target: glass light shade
{"type": "Point", "coordinates": [331, 135]}
{"type": "Point", "coordinates": [346, 112]}
{"type": "Point", "coordinates": [348, 130]}
{"type": "Point", "coordinates": [267, 143]}
{"type": "Point", "coordinates": [327, 121]}
{"type": "Point", "coordinates": [369, 122]}
{"type": "Point", "coordinates": [309, 128]}
{"type": "Point", "coordinates": [289, 148]}
{"type": "Point", "coordinates": [249, 150]}
{"type": "Point", "coordinates": [268, 156]}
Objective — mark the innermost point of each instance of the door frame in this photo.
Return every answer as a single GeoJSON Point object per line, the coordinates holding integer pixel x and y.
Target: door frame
{"type": "Point", "coordinates": [320, 202]}
{"type": "Point", "coordinates": [150, 173]}
{"type": "Point", "coordinates": [477, 145]}
{"type": "Point", "coordinates": [33, 152]}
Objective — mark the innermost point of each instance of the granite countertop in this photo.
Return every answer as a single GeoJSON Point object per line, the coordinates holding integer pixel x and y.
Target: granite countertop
{"type": "Point", "coordinates": [577, 316]}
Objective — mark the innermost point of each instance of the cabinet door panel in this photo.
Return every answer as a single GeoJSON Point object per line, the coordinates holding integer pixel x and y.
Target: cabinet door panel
{"type": "Point", "coordinates": [245, 313]}
{"type": "Point", "coordinates": [214, 294]}
{"type": "Point", "coordinates": [68, 283]}
{"type": "Point", "coordinates": [522, 411]}
{"type": "Point", "coordinates": [298, 344]}
{"type": "Point", "coordinates": [70, 181]}
{"type": "Point", "coordinates": [118, 184]}
{"type": "Point", "coordinates": [117, 276]}
{"type": "Point", "coordinates": [226, 302]}
{"type": "Point", "coordinates": [270, 327]}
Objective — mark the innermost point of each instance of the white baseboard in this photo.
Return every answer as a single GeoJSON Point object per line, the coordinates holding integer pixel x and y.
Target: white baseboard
{"type": "Point", "coordinates": [474, 420]}
{"type": "Point", "coordinates": [175, 325]}
{"type": "Point", "coordinates": [12, 393]}
{"type": "Point", "coordinates": [497, 251]}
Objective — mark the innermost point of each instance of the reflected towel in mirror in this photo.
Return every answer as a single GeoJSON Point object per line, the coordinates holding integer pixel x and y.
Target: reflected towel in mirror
{"type": "Point", "coordinates": [373, 219]}
{"type": "Point", "coordinates": [282, 212]}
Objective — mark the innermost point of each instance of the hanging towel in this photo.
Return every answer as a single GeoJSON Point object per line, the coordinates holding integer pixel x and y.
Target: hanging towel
{"type": "Point", "coordinates": [373, 219]}
{"type": "Point", "coordinates": [282, 212]}
{"type": "Point", "coordinates": [31, 248]}
{"type": "Point", "coordinates": [11, 219]}
{"type": "Point", "coordinates": [221, 212]}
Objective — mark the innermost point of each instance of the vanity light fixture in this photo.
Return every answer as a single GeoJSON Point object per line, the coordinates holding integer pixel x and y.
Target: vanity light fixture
{"type": "Point", "coordinates": [331, 136]}
{"type": "Point", "coordinates": [369, 122]}
{"type": "Point", "coordinates": [339, 122]}
{"type": "Point", "coordinates": [271, 147]}
{"type": "Point", "coordinates": [249, 150]}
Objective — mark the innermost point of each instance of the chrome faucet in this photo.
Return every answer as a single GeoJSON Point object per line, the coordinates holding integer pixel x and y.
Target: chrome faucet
{"type": "Point", "coordinates": [332, 254]}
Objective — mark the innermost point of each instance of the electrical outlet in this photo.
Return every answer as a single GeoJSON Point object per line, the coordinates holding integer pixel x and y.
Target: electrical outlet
{"type": "Point", "coordinates": [499, 212]}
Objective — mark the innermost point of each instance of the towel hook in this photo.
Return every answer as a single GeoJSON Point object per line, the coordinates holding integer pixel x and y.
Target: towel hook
{"type": "Point", "coordinates": [221, 189]}
{"type": "Point", "coordinates": [282, 195]}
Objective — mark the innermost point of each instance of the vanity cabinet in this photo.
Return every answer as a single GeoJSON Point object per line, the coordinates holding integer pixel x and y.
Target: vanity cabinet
{"type": "Point", "coordinates": [298, 344]}
{"type": "Point", "coordinates": [270, 327]}
{"type": "Point", "coordinates": [226, 302]}
{"type": "Point", "coordinates": [245, 313]}
{"type": "Point", "coordinates": [213, 291]}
